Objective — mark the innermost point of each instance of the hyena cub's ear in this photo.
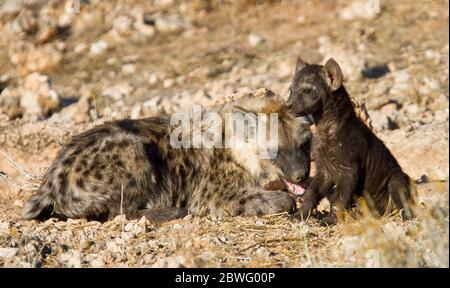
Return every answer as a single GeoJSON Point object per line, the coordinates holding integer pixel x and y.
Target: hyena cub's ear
{"type": "Point", "coordinates": [333, 73]}
{"type": "Point", "coordinates": [300, 64]}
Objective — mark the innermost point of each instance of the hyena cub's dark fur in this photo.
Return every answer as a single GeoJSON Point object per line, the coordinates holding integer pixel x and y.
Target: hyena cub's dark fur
{"type": "Point", "coordinates": [130, 166]}
{"type": "Point", "coordinates": [348, 154]}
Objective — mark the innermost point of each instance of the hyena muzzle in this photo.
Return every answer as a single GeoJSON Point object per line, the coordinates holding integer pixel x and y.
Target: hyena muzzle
{"type": "Point", "coordinates": [131, 167]}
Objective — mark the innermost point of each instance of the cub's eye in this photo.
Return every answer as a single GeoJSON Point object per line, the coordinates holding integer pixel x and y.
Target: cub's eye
{"type": "Point", "coordinates": [307, 90]}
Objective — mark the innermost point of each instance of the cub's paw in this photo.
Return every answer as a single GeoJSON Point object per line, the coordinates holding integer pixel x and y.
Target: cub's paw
{"type": "Point", "coordinates": [301, 215]}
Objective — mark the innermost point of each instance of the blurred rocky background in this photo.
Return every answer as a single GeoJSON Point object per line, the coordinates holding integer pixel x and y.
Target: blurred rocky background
{"type": "Point", "coordinates": [64, 70]}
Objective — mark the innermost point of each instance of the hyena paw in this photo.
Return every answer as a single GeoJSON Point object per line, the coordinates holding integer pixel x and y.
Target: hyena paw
{"type": "Point", "coordinates": [266, 203]}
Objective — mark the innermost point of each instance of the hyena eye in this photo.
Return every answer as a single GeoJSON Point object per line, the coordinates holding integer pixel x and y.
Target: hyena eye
{"type": "Point", "coordinates": [307, 90]}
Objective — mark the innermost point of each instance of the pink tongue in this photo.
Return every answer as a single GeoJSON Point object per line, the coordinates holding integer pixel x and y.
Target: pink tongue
{"type": "Point", "coordinates": [296, 189]}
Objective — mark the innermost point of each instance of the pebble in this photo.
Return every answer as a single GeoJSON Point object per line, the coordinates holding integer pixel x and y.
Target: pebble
{"type": "Point", "coordinates": [168, 23]}
{"type": "Point", "coordinates": [118, 91]}
{"type": "Point", "coordinates": [98, 48]}
{"type": "Point", "coordinates": [128, 69]}
{"type": "Point", "coordinates": [167, 83]}
{"type": "Point", "coordinates": [8, 252]}
{"type": "Point", "coordinates": [255, 40]}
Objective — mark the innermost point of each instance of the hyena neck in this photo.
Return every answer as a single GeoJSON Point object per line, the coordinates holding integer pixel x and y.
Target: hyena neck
{"type": "Point", "coordinates": [336, 112]}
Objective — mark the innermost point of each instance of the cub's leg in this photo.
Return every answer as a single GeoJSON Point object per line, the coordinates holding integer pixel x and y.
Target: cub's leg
{"type": "Point", "coordinates": [315, 192]}
{"type": "Point", "coordinates": [346, 185]}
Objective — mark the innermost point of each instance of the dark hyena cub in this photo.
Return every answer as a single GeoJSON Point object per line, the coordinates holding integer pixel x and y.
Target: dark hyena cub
{"type": "Point", "coordinates": [130, 166]}
{"type": "Point", "coordinates": [348, 154]}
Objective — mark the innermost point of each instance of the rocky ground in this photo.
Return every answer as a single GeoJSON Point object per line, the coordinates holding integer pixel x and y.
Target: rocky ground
{"type": "Point", "coordinates": [62, 73]}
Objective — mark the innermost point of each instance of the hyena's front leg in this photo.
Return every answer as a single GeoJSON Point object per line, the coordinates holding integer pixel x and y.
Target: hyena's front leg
{"type": "Point", "coordinates": [256, 202]}
{"type": "Point", "coordinates": [161, 215]}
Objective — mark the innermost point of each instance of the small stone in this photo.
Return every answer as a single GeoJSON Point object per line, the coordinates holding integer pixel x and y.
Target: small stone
{"type": "Point", "coordinates": [37, 96]}
{"type": "Point", "coordinates": [98, 48]}
{"type": "Point", "coordinates": [153, 79]}
{"type": "Point", "coordinates": [263, 252]}
{"type": "Point", "coordinates": [118, 91]}
{"type": "Point", "coordinates": [433, 55]}
{"type": "Point", "coordinates": [18, 203]}
{"type": "Point", "coordinates": [8, 252]}
{"type": "Point", "coordinates": [25, 22]}
{"type": "Point", "coordinates": [401, 76]}
{"type": "Point", "coordinates": [80, 48]}
{"type": "Point", "coordinates": [372, 258]}
{"type": "Point", "coordinates": [349, 245]}
{"type": "Point", "coordinates": [381, 121]}
{"type": "Point", "coordinates": [122, 25]}
{"type": "Point", "coordinates": [412, 108]}
{"type": "Point", "coordinates": [29, 58]}
{"type": "Point", "coordinates": [301, 19]}
{"type": "Point", "coordinates": [65, 20]}
{"type": "Point", "coordinates": [360, 9]}
{"type": "Point", "coordinates": [168, 23]}
{"type": "Point", "coordinates": [255, 40]}
{"type": "Point", "coordinates": [97, 262]}
{"type": "Point", "coordinates": [71, 259]}
{"type": "Point", "coordinates": [168, 83]}
{"type": "Point", "coordinates": [128, 69]}
{"type": "Point", "coordinates": [136, 112]}
{"type": "Point", "coordinates": [177, 226]}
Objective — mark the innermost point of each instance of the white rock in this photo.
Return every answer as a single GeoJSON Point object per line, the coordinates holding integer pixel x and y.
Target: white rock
{"type": "Point", "coordinates": [128, 69]}
{"type": "Point", "coordinates": [71, 259]}
{"type": "Point", "coordinates": [381, 121]}
{"type": "Point", "coordinates": [169, 23]}
{"type": "Point", "coordinates": [263, 252]}
{"type": "Point", "coordinates": [441, 115]}
{"type": "Point", "coordinates": [170, 262]}
{"type": "Point", "coordinates": [412, 108]}
{"type": "Point", "coordinates": [80, 48]}
{"type": "Point", "coordinates": [394, 230]}
{"type": "Point", "coordinates": [168, 83]}
{"type": "Point", "coordinates": [136, 112]}
{"type": "Point", "coordinates": [122, 25]}
{"type": "Point", "coordinates": [360, 9]}
{"type": "Point", "coordinates": [10, 7]}
{"type": "Point", "coordinates": [65, 20]}
{"type": "Point", "coordinates": [349, 245]}
{"type": "Point", "coordinates": [18, 203]}
{"type": "Point", "coordinates": [162, 3]}
{"type": "Point", "coordinates": [98, 48]}
{"type": "Point", "coordinates": [255, 40]}
{"type": "Point", "coordinates": [8, 252]}
{"type": "Point", "coordinates": [153, 79]}
{"type": "Point", "coordinates": [372, 258]}
{"type": "Point", "coordinates": [4, 227]}
{"type": "Point", "coordinates": [118, 91]}
{"type": "Point", "coordinates": [37, 96]}
{"type": "Point", "coordinates": [435, 56]}
{"type": "Point", "coordinates": [401, 76]}
{"type": "Point", "coordinates": [112, 247]}
{"type": "Point", "coordinates": [301, 19]}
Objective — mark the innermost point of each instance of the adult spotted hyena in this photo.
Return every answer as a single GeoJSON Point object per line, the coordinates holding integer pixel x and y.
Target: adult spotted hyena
{"type": "Point", "coordinates": [132, 167]}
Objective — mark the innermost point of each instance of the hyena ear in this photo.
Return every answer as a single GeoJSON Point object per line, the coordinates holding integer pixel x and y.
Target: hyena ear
{"type": "Point", "coordinates": [333, 74]}
{"type": "Point", "coordinates": [300, 64]}
{"type": "Point", "coordinates": [245, 124]}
